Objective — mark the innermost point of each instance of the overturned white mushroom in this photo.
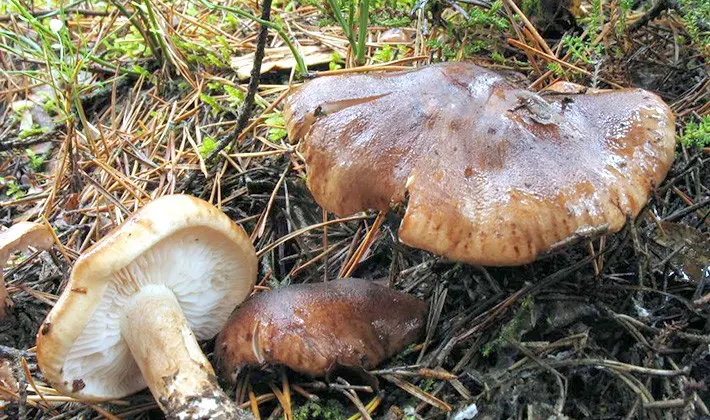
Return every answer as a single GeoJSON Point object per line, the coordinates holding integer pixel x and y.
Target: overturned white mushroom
{"type": "Point", "coordinates": [138, 301]}
{"type": "Point", "coordinates": [18, 238]}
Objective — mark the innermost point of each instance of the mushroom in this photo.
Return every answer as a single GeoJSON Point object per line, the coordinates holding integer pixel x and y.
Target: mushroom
{"type": "Point", "coordinates": [137, 302]}
{"type": "Point", "coordinates": [394, 35]}
{"type": "Point", "coordinates": [10, 367]}
{"type": "Point", "coordinates": [9, 388]}
{"type": "Point", "coordinates": [8, 383]}
{"type": "Point", "coordinates": [493, 174]}
{"type": "Point", "coordinates": [313, 327]}
{"type": "Point", "coordinates": [17, 238]}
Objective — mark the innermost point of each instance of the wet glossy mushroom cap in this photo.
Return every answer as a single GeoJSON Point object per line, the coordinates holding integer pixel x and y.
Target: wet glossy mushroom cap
{"type": "Point", "coordinates": [138, 300]}
{"type": "Point", "coordinates": [494, 175]}
{"type": "Point", "coordinates": [311, 327]}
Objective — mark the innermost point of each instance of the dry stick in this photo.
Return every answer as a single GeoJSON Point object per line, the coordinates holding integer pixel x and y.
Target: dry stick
{"type": "Point", "coordinates": [561, 380]}
{"type": "Point", "coordinates": [354, 261]}
{"type": "Point", "coordinates": [254, 404]}
{"type": "Point", "coordinates": [301, 231]}
{"type": "Point", "coordinates": [322, 256]}
{"type": "Point", "coordinates": [245, 112]}
{"type": "Point", "coordinates": [651, 14]}
{"type": "Point", "coordinates": [518, 32]}
{"type": "Point", "coordinates": [281, 399]}
{"type": "Point", "coordinates": [612, 364]}
{"type": "Point", "coordinates": [390, 66]}
{"type": "Point", "coordinates": [261, 224]}
{"type": "Point", "coordinates": [286, 390]}
{"type": "Point", "coordinates": [419, 393]}
{"type": "Point", "coordinates": [353, 397]}
{"type": "Point", "coordinates": [325, 245]}
{"type": "Point", "coordinates": [530, 49]}
{"type": "Point", "coordinates": [31, 382]}
{"type": "Point", "coordinates": [530, 27]}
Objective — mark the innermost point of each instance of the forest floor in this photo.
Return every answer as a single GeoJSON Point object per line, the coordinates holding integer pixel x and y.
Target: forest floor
{"type": "Point", "coordinates": [105, 106]}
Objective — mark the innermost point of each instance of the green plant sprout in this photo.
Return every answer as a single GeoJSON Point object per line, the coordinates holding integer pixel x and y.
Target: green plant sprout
{"type": "Point", "coordinates": [300, 64]}
{"type": "Point", "coordinates": [348, 25]}
{"type": "Point", "coordinates": [277, 126]}
{"type": "Point", "coordinates": [208, 145]}
{"type": "Point", "coordinates": [697, 133]}
{"type": "Point", "coordinates": [384, 54]}
{"type": "Point", "coordinates": [335, 61]}
{"type": "Point", "coordinates": [36, 161]}
{"type": "Point", "coordinates": [14, 190]}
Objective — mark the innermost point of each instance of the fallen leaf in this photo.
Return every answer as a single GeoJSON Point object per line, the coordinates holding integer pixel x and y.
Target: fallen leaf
{"type": "Point", "coordinates": [694, 259]}
{"type": "Point", "coordinates": [280, 59]}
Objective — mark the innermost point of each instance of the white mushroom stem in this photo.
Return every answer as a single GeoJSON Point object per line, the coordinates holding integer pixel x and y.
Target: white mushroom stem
{"type": "Point", "coordinates": [167, 353]}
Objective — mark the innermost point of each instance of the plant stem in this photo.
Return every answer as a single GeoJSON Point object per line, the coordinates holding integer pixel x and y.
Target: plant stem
{"type": "Point", "coordinates": [338, 15]}
{"type": "Point", "coordinates": [147, 36]}
{"type": "Point", "coordinates": [362, 34]}
{"type": "Point", "coordinates": [300, 64]}
{"type": "Point", "coordinates": [154, 30]}
{"type": "Point", "coordinates": [247, 105]}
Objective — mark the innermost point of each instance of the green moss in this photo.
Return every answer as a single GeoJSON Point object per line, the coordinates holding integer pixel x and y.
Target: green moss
{"type": "Point", "coordinates": [697, 133]}
{"type": "Point", "coordinates": [532, 7]}
{"type": "Point", "coordinates": [277, 126]}
{"type": "Point", "coordinates": [490, 17]}
{"type": "Point", "coordinates": [208, 145]}
{"type": "Point", "coordinates": [696, 17]}
{"type": "Point", "coordinates": [327, 410]}
{"type": "Point", "coordinates": [515, 328]}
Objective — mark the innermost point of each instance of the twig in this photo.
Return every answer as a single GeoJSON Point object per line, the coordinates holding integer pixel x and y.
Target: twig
{"type": "Point", "coordinates": [245, 111]}
{"type": "Point", "coordinates": [302, 68]}
{"type": "Point", "coordinates": [664, 404]}
{"type": "Point", "coordinates": [612, 364]}
{"type": "Point", "coordinates": [549, 57]}
{"type": "Point", "coordinates": [651, 14]}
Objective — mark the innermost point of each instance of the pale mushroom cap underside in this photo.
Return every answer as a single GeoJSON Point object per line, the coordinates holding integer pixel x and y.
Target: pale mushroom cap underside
{"type": "Point", "coordinates": [491, 177]}
{"type": "Point", "coordinates": [196, 251]}
{"type": "Point", "coordinates": [22, 235]}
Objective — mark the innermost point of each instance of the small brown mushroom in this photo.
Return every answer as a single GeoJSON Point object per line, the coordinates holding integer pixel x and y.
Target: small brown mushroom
{"type": "Point", "coordinates": [137, 302]}
{"type": "Point", "coordinates": [8, 382]}
{"type": "Point", "coordinates": [10, 368]}
{"type": "Point", "coordinates": [492, 174]}
{"type": "Point", "coordinates": [18, 238]}
{"type": "Point", "coordinates": [394, 35]}
{"type": "Point", "coordinates": [312, 327]}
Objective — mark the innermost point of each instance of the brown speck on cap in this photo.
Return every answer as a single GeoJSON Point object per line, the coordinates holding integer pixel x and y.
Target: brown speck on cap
{"type": "Point", "coordinates": [77, 385]}
{"type": "Point", "coordinates": [556, 165]}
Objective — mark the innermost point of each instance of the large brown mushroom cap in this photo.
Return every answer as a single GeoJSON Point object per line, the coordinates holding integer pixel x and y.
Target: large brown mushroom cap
{"type": "Point", "coordinates": [311, 327]}
{"type": "Point", "coordinates": [495, 175]}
